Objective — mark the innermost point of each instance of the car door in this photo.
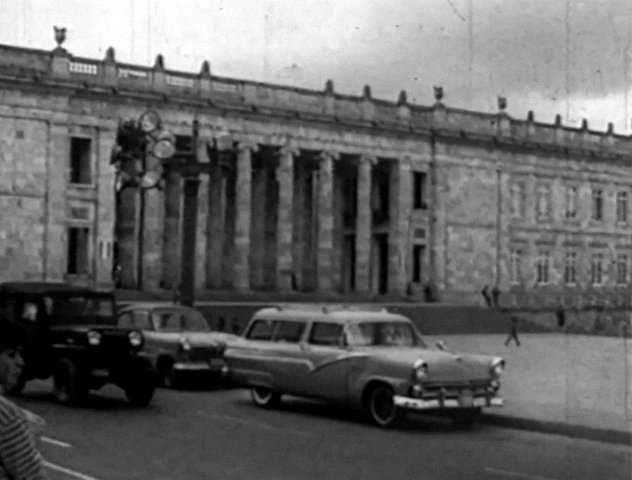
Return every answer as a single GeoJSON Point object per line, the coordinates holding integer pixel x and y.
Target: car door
{"type": "Point", "coordinates": [329, 361]}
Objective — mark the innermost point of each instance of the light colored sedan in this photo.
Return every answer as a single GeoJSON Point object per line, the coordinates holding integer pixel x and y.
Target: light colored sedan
{"type": "Point", "coordinates": [369, 359]}
{"type": "Point", "coordinates": [178, 339]}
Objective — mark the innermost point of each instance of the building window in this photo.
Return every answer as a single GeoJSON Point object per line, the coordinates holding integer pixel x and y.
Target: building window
{"type": "Point", "coordinates": [622, 268]}
{"type": "Point", "coordinates": [517, 200]}
{"type": "Point", "coordinates": [622, 206]}
{"type": "Point", "coordinates": [597, 204]}
{"type": "Point", "coordinates": [418, 258]}
{"type": "Point", "coordinates": [80, 160]}
{"type": "Point", "coordinates": [570, 268]}
{"type": "Point", "coordinates": [543, 202]}
{"type": "Point", "coordinates": [570, 198]}
{"type": "Point", "coordinates": [596, 269]}
{"type": "Point", "coordinates": [78, 242]}
{"type": "Point", "coordinates": [543, 267]}
{"type": "Point", "coordinates": [350, 208]}
{"type": "Point", "coordinates": [420, 180]}
{"type": "Point", "coordinates": [515, 269]}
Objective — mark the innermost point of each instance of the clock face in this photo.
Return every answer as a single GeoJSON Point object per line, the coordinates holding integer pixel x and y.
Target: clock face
{"type": "Point", "coordinates": [163, 145]}
{"type": "Point", "coordinates": [149, 121]}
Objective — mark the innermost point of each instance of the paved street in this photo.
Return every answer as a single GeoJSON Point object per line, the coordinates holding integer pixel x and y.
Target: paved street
{"type": "Point", "coordinates": [203, 434]}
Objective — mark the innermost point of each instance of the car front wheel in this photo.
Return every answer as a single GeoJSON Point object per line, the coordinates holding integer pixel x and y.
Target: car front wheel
{"type": "Point", "coordinates": [382, 406]}
{"type": "Point", "coordinates": [265, 397]}
{"type": "Point", "coordinates": [69, 388]}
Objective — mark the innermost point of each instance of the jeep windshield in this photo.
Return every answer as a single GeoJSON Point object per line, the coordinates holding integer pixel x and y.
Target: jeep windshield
{"type": "Point", "coordinates": [385, 334]}
{"type": "Point", "coordinates": [82, 309]}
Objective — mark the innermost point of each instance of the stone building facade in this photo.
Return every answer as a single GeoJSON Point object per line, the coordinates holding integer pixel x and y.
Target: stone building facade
{"type": "Point", "coordinates": [322, 192]}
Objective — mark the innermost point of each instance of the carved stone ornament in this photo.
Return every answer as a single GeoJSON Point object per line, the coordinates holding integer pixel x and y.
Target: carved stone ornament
{"type": "Point", "coordinates": [438, 93]}
{"type": "Point", "coordinates": [60, 35]}
{"type": "Point", "coordinates": [502, 103]}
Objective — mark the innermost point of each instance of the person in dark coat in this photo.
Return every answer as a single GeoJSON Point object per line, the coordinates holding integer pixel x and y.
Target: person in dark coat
{"type": "Point", "coordinates": [495, 295]}
{"type": "Point", "coordinates": [485, 293]}
{"type": "Point", "coordinates": [513, 332]}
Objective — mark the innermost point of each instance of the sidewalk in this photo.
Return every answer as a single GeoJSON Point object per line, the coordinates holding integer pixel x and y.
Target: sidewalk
{"type": "Point", "coordinates": [574, 385]}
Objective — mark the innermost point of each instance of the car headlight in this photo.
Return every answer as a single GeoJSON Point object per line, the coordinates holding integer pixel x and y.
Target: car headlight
{"type": "Point", "coordinates": [497, 368]}
{"type": "Point", "coordinates": [94, 338]}
{"type": "Point", "coordinates": [184, 344]}
{"type": "Point", "coordinates": [135, 339]}
{"type": "Point", "coordinates": [420, 370]}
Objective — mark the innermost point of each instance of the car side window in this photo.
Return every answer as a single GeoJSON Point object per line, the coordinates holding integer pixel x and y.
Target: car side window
{"type": "Point", "coordinates": [325, 333]}
{"type": "Point", "coordinates": [126, 321]}
{"type": "Point", "coordinates": [260, 330]}
{"type": "Point", "coordinates": [288, 331]}
{"type": "Point", "coordinates": [141, 320]}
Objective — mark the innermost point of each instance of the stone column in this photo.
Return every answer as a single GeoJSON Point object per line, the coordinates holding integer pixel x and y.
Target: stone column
{"type": "Point", "coordinates": [325, 221]}
{"type": "Point", "coordinates": [56, 183]}
{"type": "Point", "coordinates": [363, 225]}
{"type": "Point", "coordinates": [285, 224]}
{"type": "Point", "coordinates": [171, 229]}
{"type": "Point", "coordinates": [401, 197]}
{"type": "Point", "coordinates": [106, 205]}
{"type": "Point", "coordinates": [215, 226]}
{"type": "Point", "coordinates": [243, 196]}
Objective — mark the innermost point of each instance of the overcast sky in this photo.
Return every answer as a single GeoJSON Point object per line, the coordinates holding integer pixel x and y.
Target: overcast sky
{"type": "Point", "coordinates": [551, 56]}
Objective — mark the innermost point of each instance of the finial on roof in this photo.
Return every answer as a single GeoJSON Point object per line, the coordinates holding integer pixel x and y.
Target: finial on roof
{"type": "Point", "coordinates": [610, 128]}
{"type": "Point", "coordinates": [366, 92]}
{"type": "Point", "coordinates": [584, 124]}
{"type": "Point", "coordinates": [206, 69]}
{"type": "Point", "coordinates": [558, 120]}
{"type": "Point", "coordinates": [109, 55]}
{"type": "Point", "coordinates": [60, 35]}
{"type": "Point", "coordinates": [403, 98]}
{"type": "Point", "coordinates": [438, 93]}
{"type": "Point", "coordinates": [160, 62]}
{"type": "Point", "coordinates": [329, 87]}
{"type": "Point", "coordinates": [530, 116]}
{"type": "Point", "coordinates": [502, 103]}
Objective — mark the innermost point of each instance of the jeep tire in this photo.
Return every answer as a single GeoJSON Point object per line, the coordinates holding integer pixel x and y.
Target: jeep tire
{"type": "Point", "coordinates": [69, 387]}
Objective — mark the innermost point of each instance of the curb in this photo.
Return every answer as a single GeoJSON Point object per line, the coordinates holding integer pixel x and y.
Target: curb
{"type": "Point", "coordinates": [559, 428]}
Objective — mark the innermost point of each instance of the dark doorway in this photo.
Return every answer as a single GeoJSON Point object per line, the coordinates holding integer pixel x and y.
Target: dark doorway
{"type": "Point", "coordinates": [348, 263]}
{"type": "Point", "coordinates": [381, 260]}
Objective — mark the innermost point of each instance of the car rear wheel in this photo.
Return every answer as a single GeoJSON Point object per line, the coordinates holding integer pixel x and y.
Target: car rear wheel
{"type": "Point", "coordinates": [465, 417]}
{"type": "Point", "coordinates": [69, 388]}
{"type": "Point", "coordinates": [382, 406]}
{"type": "Point", "coordinates": [265, 397]}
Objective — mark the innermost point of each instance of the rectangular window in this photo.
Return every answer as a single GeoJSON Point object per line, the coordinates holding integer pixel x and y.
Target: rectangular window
{"type": "Point", "coordinates": [543, 202]}
{"type": "Point", "coordinates": [517, 200]}
{"type": "Point", "coordinates": [77, 258]}
{"type": "Point", "coordinates": [288, 331]}
{"type": "Point", "coordinates": [596, 269]}
{"type": "Point", "coordinates": [324, 333]}
{"type": "Point", "coordinates": [419, 190]}
{"type": "Point", "coordinates": [570, 198]}
{"type": "Point", "coordinates": [622, 268]}
{"type": "Point", "coordinates": [80, 160]}
{"type": "Point", "coordinates": [570, 268]}
{"type": "Point", "coordinates": [515, 269]}
{"type": "Point", "coordinates": [597, 204]}
{"type": "Point", "coordinates": [622, 206]}
{"type": "Point", "coordinates": [543, 267]}
{"type": "Point", "coordinates": [418, 257]}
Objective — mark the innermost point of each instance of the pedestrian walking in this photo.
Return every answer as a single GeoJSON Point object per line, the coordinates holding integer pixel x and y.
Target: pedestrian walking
{"type": "Point", "coordinates": [561, 317]}
{"type": "Point", "coordinates": [19, 457]}
{"type": "Point", "coordinates": [485, 293]}
{"type": "Point", "coordinates": [513, 332]}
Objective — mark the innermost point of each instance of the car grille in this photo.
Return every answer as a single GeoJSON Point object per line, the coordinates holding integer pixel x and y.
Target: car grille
{"type": "Point", "coordinates": [453, 389]}
{"type": "Point", "coordinates": [203, 354]}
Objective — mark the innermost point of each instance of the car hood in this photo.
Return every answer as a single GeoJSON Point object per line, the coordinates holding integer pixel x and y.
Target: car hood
{"type": "Point", "coordinates": [443, 366]}
{"type": "Point", "coordinates": [196, 339]}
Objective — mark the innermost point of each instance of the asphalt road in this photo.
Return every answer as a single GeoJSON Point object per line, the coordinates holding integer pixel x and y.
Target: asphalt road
{"type": "Point", "coordinates": [219, 434]}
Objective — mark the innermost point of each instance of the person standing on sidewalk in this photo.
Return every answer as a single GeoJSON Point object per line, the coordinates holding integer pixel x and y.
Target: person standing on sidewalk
{"type": "Point", "coordinates": [486, 296]}
{"type": "Point", "coordinates": [513, 332]}
{"type": "Point", "coordinates": [19, 457]}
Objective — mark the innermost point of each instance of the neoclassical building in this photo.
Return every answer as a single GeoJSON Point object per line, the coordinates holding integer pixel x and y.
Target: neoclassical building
{"type": "Point", "coordinates": [316, 191]}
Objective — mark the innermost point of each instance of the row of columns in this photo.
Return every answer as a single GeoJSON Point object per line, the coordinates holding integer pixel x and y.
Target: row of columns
{"type": "Point", "coordinates": [285, 231]}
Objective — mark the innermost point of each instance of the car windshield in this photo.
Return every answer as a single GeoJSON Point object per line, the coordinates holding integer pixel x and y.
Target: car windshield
{"type": "Point", "coordinates": [82, 309]}
{"type": "Point", "coordinates": [179, 321]}
{"type": "Point", "coordinates": [398, 334]}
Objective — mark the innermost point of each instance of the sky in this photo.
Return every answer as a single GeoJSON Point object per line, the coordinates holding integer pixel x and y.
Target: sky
{"type": "Point", "coordinates": [567, 57]}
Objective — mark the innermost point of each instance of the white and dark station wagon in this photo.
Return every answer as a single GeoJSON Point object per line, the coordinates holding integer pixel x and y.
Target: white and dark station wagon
{"type": "Point", "coordinates": [363, 358]}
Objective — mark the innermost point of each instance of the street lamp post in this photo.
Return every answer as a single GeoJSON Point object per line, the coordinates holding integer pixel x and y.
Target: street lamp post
{"type": "Point", "coordinates": [158, 156]}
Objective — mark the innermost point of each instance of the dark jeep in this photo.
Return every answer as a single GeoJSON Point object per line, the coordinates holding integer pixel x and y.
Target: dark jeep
{"type": "Point", "coordinates": [74, 338]}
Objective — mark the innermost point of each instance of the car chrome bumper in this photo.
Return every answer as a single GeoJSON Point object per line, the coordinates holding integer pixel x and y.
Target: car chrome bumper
{"type": "Point", "coordinates": [211, 367]}
{"type": "Point", "coordinates": [435, 403]}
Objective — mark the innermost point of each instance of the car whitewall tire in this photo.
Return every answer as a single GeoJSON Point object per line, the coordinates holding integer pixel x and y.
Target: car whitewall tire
{"type": "Point", "coordinates": [382, 406]}
{"type": "Point", "coordinates": [264, 397]}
